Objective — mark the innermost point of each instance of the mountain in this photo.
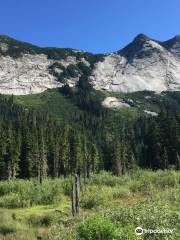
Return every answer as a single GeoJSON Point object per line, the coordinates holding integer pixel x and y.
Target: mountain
{"type": "Point", "coordinates": [77, 127]}
{"type": "Point", "coordinates": [144, 64]}
{"type": "Point", "coordinates": [26, 69]}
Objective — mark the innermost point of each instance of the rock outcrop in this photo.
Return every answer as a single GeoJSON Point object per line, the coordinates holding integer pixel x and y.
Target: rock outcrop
{"type": "Point", "coordinates": [144, 64]}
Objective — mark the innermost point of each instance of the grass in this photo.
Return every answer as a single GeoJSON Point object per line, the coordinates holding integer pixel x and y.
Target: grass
{"type": "Point", "coordinates": [143, 198]}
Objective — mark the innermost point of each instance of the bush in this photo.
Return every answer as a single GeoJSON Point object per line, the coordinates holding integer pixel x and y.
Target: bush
{"type": "Point", "coordinates": [25, 193]}
{"type": "Point", "coordinates": [8, 229]}
{"type": "Point", "coordinates": [107, 179]}
{"type": "Point", "coordinates": [96, 227]}
{"type": "Point", "coordinates": [96, 196]}
{"type": "Point", "coordinates": [34, 220]}
{"type": "Point", "coordinates": [119, 192]}
{"type": "Point", "coordinates": [158, 180]}
{"type": "Point", "coordinates": [152, 214]}
{"type": "Point", "coordinates": [142, 186]}
{"type": "Point", "coordinates": [49, 220]}
{"type": "Point", "coordinates": [171, 195]}
{"type": "Point", "coordinates": [165, 179]}
{"type": "Point", "coordinates": [67, 186]}
{"type": "Point", "coordinates": [59, 232]}
{"type": "Point", "coordinates": [46, 220]}
{"type": "Point", "coordinates": [10, 201]}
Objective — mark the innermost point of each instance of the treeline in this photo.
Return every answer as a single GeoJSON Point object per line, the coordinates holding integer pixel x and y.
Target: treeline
{"type": "Point", "coordinates": [161, 141]}
{"type": "Point", "coordinates": [35, 144]}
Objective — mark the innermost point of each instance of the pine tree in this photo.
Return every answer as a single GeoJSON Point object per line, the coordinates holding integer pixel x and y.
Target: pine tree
{"type": "Point", "coordinates": [117, 160]}
{"type": "Point", "coordinates": [95, 158]}
{"type": "Point", "coordinates": [65, 151]}
{"type": "Point", "coordinates": [43, 167]}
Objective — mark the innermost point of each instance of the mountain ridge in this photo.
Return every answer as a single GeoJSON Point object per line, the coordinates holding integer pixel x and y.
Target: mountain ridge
{"type": "Point", "coordinates": [144, 64]}
{"type": "Point", "coordinates": [137, 37]}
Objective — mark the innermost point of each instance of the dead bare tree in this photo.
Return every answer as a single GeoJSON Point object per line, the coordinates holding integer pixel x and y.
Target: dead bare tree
{"type": "Point", "coordinates": [75, 195]}
{"type": "Point", "coordinates": [72, 198]}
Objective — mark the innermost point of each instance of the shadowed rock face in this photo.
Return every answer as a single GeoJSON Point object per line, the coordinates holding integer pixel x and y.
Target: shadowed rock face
{"type": "Point", "coordinates": [144, 64]}
{"type": "Point", "coordinates": [173, 45]}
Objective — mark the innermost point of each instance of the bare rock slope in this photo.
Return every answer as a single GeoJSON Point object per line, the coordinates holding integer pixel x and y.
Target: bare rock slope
{"type": "Point", "coordinates": [144, 64]}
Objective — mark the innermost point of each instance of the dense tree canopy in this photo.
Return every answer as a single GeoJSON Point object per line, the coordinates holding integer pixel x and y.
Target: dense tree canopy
{"type": "Point", "coordinates": [33, 143]}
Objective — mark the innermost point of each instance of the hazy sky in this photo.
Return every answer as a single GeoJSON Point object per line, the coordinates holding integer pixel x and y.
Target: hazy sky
{"type": "Point", "coordinates": [92, 25]}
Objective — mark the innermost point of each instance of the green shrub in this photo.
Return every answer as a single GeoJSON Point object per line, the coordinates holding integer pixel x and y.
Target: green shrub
{"type": "Point", "coordinates": [119, 192]}
{"type": "Point", "coordinates": [49, 220]}
{"type": "Point", "coordinates": [96, 227]}
{"type": "Point", "coordinates": [171, 195]}
{"type": "Point", "coordinates": [96, 196]}
{"type": "Point", "coordinates": [165, 179]}
{"type": "Point", "coordinates": [4, 188]}
{"type": "Point", "coordinates": [128, 233]}
{"type": "Point", "coordinates": [45, 220]}
{"type": "Point", "coordinates": [67, 186]}
{"type": "Point", "coordinates": [25, 193]}
{"type": "Point", "coordinates": [7, 229]}
{"type": "Point", "coordinates": [59, 232]}
{"type": "Point", "coordinates": [107, 179]}
{"type": "Point", "coordinates": [10, 201]}
{"type": "Point", "coordinates": [149, 214]}
{"type": "Point", "coordinates": [34, 220]}
{"type": "Point", "coordinates": [142, 186]}
{"type": "Point", "coordinates": [158, 180]}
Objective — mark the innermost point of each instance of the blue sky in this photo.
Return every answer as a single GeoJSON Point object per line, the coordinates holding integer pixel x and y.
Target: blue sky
{"type": "Point", "coordinates": [92, 25]}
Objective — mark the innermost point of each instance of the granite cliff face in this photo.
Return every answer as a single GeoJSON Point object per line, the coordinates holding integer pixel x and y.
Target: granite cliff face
{"type": "Point", "coordinates": [25, 75]}
{"type": "Point", "coordinates": [144, 64]}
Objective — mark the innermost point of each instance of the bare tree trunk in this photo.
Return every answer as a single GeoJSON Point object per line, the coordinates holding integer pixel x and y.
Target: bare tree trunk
{"type": "Point", "coordinates": [77, 193]}
{"type": "Point", "coordinates": [72, 198]}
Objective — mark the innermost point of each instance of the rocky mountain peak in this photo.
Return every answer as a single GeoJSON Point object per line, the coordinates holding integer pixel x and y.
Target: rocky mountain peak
{"type": "Point", "coordinates": [144, 64]}
{"type": "Point", "coordinates": [177, 38]}
{"type": "Point", "coordinates": [171, 42]}
{"type": "Point", "coordinates": [141, 37]}
{"type": "Point", "coordinates": [140, 46]}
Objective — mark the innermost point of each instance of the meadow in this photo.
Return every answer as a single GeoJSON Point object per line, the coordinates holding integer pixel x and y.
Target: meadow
{"type": "Point", "coordinates": [111, 207]}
